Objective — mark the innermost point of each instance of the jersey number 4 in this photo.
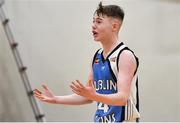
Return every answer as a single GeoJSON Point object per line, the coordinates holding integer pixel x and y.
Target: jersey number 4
{"type": "Point", "coordinates": [103, 107]}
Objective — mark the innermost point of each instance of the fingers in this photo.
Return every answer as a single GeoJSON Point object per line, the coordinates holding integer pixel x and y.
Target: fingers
{"type": "Point", "coordinates": [79, 84]}
{"type": "Point", "coordinates": [77, 87]}
{"type": "Point", "coordinates": [45, 87]}
{"type": "Point", "coordinates": [37, 91]}
{"type": "Point", "coordinates": [74, 87]}
{"type": "Point", "coordinates": [44, 98]}
{"type": "Point", "coordinates": [37, 95]}
{"type": "Point", "coordinates": [41, 97]}
{"type": "Point", "coordinates": [91, 84]}
{"type": "Point", "coordinates": [76, 92]}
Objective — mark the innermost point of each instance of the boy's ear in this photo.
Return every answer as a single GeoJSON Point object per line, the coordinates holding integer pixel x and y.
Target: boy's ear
{"type": "Point", "coordinates": [115, 26]}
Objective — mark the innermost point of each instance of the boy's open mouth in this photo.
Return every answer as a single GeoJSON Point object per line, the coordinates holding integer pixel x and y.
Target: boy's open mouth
{"type": "Point", "coordinates": [94, 33]}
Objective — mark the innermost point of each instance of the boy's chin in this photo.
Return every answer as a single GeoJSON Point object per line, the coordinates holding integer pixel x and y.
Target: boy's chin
{"type": "Point", "coordinates": [96, 40]}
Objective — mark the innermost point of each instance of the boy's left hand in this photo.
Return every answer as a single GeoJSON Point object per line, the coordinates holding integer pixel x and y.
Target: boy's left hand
{"type": "Point", "coordinates": [85, 91]}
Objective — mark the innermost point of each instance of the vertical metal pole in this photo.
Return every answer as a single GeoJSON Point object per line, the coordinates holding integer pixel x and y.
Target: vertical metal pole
{"type": "Point", "coordinates": [39, 115]}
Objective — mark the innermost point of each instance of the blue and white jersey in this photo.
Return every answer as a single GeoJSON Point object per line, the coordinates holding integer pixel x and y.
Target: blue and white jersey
{"type": "Point", "coordinates": [105, 82]}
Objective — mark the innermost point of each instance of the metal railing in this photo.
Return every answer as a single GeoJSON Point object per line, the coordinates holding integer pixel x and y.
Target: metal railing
{"type": "Point", "coordinates": [39, 115]}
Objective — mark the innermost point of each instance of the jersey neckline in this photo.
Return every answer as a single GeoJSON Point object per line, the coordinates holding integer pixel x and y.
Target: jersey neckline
{"type": "Point", "coordinates": [104, 59]}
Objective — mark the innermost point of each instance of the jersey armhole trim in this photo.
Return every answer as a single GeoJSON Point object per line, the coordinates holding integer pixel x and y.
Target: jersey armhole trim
{"type": "Point", "coordinates": [95, 56]}
{"type": "Point", "coordinates": [137, 61]}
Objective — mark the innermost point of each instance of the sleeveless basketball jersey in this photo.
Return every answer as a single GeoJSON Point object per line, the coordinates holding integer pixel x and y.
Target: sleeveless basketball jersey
{"type": "Point", "coordinates": [105, 72]}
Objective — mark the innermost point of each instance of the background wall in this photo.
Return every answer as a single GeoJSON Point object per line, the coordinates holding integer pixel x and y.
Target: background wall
{"type": "Point", "coordinates": [57, 46]}
{"type": "Point", "coordinates": [14, 104]}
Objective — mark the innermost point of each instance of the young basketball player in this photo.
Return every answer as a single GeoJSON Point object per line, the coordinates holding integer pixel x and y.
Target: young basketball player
{"type": "Point", "coordinates": [112, 81]}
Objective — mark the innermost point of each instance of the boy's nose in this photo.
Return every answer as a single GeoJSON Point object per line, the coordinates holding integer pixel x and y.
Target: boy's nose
{"type": "Point", "coordinates": [93, 26]}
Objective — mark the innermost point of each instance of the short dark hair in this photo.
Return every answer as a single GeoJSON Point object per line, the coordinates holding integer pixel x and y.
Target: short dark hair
{"type": "Point", "coordinates": [110, 11]}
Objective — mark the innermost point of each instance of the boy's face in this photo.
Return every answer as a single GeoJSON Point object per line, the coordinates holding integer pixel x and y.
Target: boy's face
{"type": "Point", "coordinates": [102, 27]}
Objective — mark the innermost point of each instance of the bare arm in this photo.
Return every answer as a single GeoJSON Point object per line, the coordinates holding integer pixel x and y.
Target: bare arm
{"type": "Point", "coordinates": [73, 99]}
{"type": "Point", "coordinates": [127, 66]}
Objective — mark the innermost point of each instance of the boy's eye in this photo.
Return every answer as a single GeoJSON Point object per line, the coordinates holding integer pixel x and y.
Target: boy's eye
{"type": "Point", "coordinates": [98, 21]}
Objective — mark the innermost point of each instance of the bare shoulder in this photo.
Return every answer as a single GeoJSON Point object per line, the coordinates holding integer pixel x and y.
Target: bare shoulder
{"type": "Point", "coordinates": [127, 59]}
{"type": "Point", "coordinates": [127, 55]}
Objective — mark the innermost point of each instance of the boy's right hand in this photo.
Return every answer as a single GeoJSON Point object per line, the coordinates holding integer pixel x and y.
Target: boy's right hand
{"type": "Point", "coordinates": [46, 96]}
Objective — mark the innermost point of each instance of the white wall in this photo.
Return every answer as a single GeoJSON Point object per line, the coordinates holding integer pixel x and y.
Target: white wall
{"type": "Point", "coordinates": [57, 46]}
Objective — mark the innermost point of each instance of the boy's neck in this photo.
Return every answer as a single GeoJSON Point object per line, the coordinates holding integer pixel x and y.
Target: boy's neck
{"type": "Point", "coordinates": [109, 45]}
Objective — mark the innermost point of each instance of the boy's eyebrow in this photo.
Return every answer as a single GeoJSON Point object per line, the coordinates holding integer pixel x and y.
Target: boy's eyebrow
{"type": "Point", "coordinates": [98, 18]}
